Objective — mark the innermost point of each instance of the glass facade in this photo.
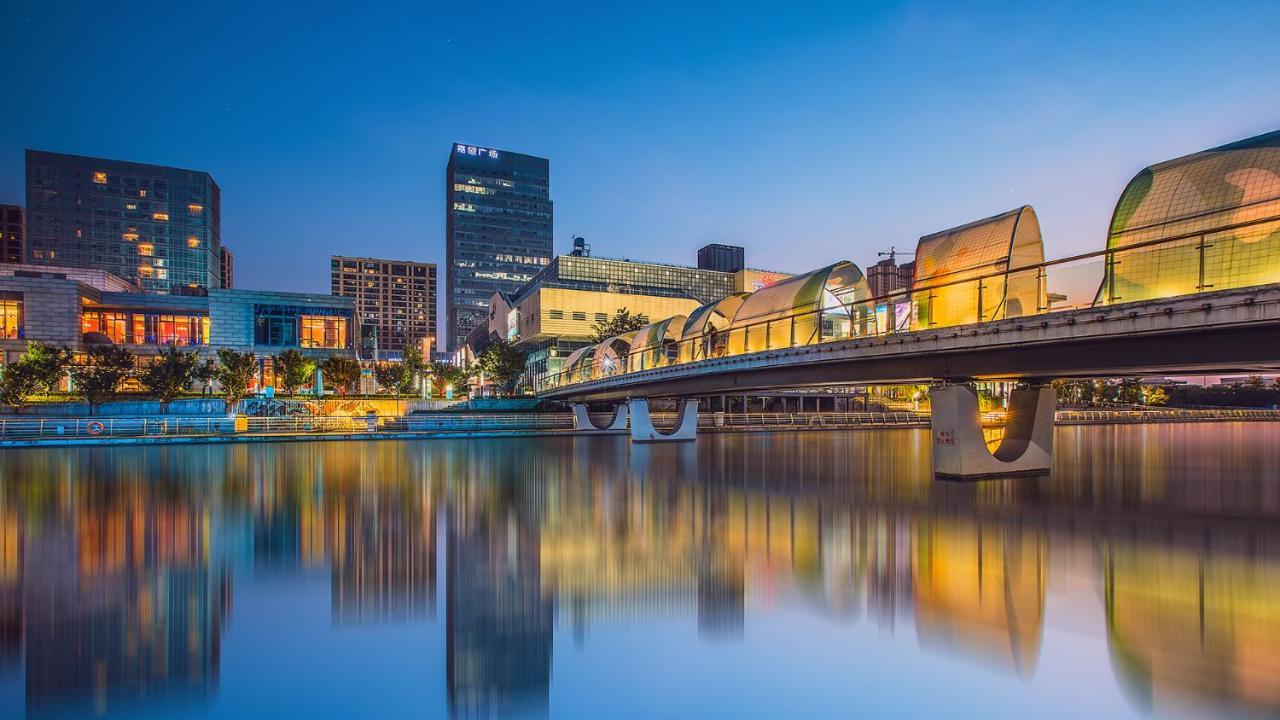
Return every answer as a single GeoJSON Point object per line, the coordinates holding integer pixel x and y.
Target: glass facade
{"type": "Point", "coordinates": [498, 229]}
{"type": "Point", "coordinates": [10, 316]}
{"type": "Point", "coordinates": [156, 226]}
{"type": "Point", "coordinates": [1215, 215]}
{"type": "Point", "coordinates": [631, 277]}
{"type": "Point", "coordinates": [296, 326]}
{"type": "Point", "coordinates": [135, 327]}
{"type": "Point", "coordinates": [13, 232]}
{"type": "Point", "coordinates": [725, 258]}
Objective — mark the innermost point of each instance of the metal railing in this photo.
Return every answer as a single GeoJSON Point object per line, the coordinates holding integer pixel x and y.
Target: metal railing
{"type": "Point", "coordinates": [810, 421]}
{"type": "Point", "coordinates": [1074, 417]}
{"type": "Point", "coordinates": [1062, 284]}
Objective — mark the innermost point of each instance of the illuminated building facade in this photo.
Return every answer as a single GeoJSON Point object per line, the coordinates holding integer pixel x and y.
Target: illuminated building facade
{"type": "Point", "coordinates": [1215, 216]}
{"type": "Point", "coordinates": [13, 233]}
{"type": "Point", "coordinates": [156, 226]}
{"type": "Point", "coordinates": [498, 229]}
{"type": "Point", "coordinates": [79, 307]}
{"type": "Point", "coordinates": [395, 301]}
{"type": "Point", "coordinates": [725, 258]}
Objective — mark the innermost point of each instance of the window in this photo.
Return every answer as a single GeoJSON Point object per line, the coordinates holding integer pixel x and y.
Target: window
{"type": "Point", "coordinates": [275, 330]}
{"type": "Point", "coordinates": [555, 314]}
{"type": "Point", "coordinates": [193, 242]}
{"type": "Point", "coordinates": [194, 209]}
{"type": "Point", "coordinates": [161, 216]}
{"type": "Point", "coordinates": [100, 178]}
{"type": "Point", "coordinates": [324, 332]}
{"type": "Point", "coordinates": [10, 318]}
{"type": "Point", "coordinates": [579, 316]}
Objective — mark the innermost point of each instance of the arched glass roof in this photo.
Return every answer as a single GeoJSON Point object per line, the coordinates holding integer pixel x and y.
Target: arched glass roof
{"type": "Point", "coordinates": [950, 262]}
{"type": "Point", "coordinates": [653, 345]}
{"type": "Point", "coordinates": [713, 317]}
{"type": "Point", "coordinates": [833, 287]}
{"type": "Point", "coordinates": [1229, 196]}
{"type": "Point", "coordinates": [607, 358]}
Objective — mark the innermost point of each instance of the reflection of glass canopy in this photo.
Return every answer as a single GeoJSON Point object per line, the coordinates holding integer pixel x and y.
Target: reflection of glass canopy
{"type": "Point", "coordinates": [1227, 198]}
{"type": "Point", "coordinates": [951, 283]}
{"type": "Point", "coordinates": [802, 310]}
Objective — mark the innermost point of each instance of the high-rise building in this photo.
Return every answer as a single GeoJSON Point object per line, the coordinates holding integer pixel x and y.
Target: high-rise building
{"type": "Point", "coordinates": [157, 226]}
{"type": "Point", "coordinates": [227, 268]}
{"type": "Point", "coordinates": [887, 276]}
{"type": "Point", "coordinates": [724, 258]}
{"type": "Point", "coordinates": [498, 229]}
{"type": "Point", "coordinates": [13, 233]}
{"type": "Point", "coordinates": [395, 300]}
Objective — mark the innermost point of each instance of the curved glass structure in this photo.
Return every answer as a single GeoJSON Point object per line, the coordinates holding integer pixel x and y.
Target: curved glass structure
{"type": "Point", "coordinates": [610, 356]}
{"type": "Point", "coordinates": [702, 336]}
{"type": "Point", "coordinates": [802, 310]}
{"type": "Point", "coordinates": [983, 251]}
{"type": "Point", "coordinates": [1215, 215]}
{"type": "Point", "coordinates": [656, 344]}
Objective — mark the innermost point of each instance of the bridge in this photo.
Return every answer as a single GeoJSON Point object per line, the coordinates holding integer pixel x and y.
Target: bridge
{"type": "Point", "coordinates": [1189, 282]}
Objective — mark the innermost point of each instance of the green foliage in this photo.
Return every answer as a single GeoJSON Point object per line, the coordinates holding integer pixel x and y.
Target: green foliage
{"type": "Point", "coordinates": [394, 377]}
{"type": "Point", "coordinates": [503, 364]}
{"type": "Point", "coordinates": [341, 372]}
{"type": "Point", "coordinates": [97, 378]}
{"type": "Point", "coordinates": [18, 381]}
{"type": "Point", "coordinates": [444, 374]}
{"type": "Point", "coordinates": [169, 374]}
{"type": "Point", "coordinates": [621, 322]}
{"type": "Point", "coordinates": [205, 372]}
{"type": "Point", "coordinates": [292, 369]}
{"type": "Point", "coordinates": [235, 372]}
{"type": "Point", "coordinates": [47, 364]}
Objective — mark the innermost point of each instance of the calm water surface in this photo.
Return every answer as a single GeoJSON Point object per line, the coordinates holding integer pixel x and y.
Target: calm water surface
{"type": "Point", "coordinates": [758, 575]}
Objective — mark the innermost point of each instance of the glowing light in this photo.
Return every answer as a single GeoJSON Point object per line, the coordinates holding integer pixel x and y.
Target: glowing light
{"type": "Point", "coordinates": [100, 178]}
{"type": "Point", "coordinates": [193, 242]}
{"type": "Point", "coordinates": [161, 216]}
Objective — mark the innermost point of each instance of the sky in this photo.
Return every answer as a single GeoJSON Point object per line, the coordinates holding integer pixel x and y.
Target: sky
{"type": "Point", "coordinates": [807, 133]}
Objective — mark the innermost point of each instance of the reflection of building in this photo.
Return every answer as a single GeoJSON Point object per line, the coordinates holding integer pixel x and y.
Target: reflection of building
{"type": "Point", "coordinates": [384, 561]}
{"type": "Point", "coordinates": [498, 229]}
{"type": "Point", "coordinates": [13, 233]}
{"type": "Point", "coordinates": [82, 307]}
{"type": "Point", "coordinates": [156, 226]}
{"type": "Point", "coordinates": [395, 300]}
{"type": "Point", "coordinates": [498, 624]}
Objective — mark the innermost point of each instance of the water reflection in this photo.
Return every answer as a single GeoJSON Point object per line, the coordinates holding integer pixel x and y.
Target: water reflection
{"type": "Point", "coordinates": [119, 568]}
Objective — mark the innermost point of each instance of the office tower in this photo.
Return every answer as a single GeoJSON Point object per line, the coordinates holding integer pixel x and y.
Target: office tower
{"type": "Point", "coordinates": [13, 233]}
{"type": "Point", "coordinates": [887, 276]}
{"type": "Point", "coordinates": [227, 268]}
{"type": "Point", "coordinates": [498, 229]}
{"type": "Point", "coordinates": [157, 226]}
{"type": "Point", "coordinates": [725, 258]}
{"type": "Point", "coordinates": [395, 301]}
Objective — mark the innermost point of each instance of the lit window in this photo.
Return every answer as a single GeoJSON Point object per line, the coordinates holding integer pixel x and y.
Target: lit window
{"type": "Point", "coordinates": [131, 206]}
{"type": "Point", "coordinates": [100, 178]}
{"type": "Point", "coordinates": [131, 236]}
{"type": "Point", "coordinates": [142, 193]}
{"type": "Point", "coordinates": [195, 209]}
{"type": "Point", "coordinates": [146, 249]}
{"type": "Point", "coordinates": [464, 207]}
{"type": "Point", "coordinates": [193, 242]}
{"type": "Point", "coordinates": [323, 332]}
{"type": "Point", "coordinates": [145, 270]}
{"type": "Point", "coordinates": [162, 274]}
{"type": "Point", "coordinates": [10, 319]}
{"type": "Point", "coordinates": [79, 233]}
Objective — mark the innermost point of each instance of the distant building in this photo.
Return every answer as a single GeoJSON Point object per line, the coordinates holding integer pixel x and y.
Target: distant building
{"type": "Point", "coordinates": [498, 229]}
{"type": "Point", "coordinates": [13, 233]}
{"type": "Point", "coordinates": [888, 276]}
{"type": "Point", "coordinates": [227, 268]}
{"type": "Point", "coordinates": [156, 226]}
{"type": "Point", "coordinates": [395, 301]}
{"type": "Point", "coordinates": [724, 258]}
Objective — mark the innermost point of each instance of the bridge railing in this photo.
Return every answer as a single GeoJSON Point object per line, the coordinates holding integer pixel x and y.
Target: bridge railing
{"type": "Point", "coordinates": [1169, 267]}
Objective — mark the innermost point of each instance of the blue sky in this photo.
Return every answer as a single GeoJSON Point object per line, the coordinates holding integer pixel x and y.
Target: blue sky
{"type": "Point", "coordinates": [807, 134]}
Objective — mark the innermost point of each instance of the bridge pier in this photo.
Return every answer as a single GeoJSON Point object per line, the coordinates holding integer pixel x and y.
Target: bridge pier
{"type": "Point", "coordinates": [959, 450]}
{"type": "Point", "coordinates": [582, 422]}
{"type": "Point", "coordinates": [642, 429]}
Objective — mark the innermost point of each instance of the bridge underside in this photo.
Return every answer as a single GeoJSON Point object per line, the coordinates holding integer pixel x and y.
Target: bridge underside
{"type": "Point", "coordinates": [1227, 332]}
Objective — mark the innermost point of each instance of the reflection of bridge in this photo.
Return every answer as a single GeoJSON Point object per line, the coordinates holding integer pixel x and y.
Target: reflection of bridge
{"type": "Point", "coordinates": [1189, 283]}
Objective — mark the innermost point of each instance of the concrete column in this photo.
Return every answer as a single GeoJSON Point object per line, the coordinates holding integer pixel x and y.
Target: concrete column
{"type": "Point", "coordinates": [642, 429]}
{"type": "Point", "coordinates": [582, 421]}
{"type": "Point", "coordinates": [959, 450]}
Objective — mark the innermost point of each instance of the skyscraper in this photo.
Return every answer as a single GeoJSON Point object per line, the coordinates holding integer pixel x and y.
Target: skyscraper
{"type": "Point", "coordinates": [498, 229]}
{"type": "Point", "coordinates": [13, 233]}
{"type": "Point", "coordinates": [157, 226]}
{"type": "Point", "coordinates": [395, 300]}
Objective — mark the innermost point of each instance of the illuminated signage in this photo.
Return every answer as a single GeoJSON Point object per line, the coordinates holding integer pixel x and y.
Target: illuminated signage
{"type": "Point", "coordinates": [477, 151]}
{"type": "Point", "coordinates": [763, 282]}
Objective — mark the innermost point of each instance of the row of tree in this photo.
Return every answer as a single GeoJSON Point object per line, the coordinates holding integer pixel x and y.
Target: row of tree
{"type": "Point", "coordinates": [104, 372]}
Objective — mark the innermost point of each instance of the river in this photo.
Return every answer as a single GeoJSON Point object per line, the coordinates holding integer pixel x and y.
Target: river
{"type": "Point", "coordinates": [820, 574]}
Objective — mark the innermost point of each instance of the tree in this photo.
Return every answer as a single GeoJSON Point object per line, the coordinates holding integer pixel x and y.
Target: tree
{"type": "Point", "coordinates": [394, 377]}
{"type": "Point", "coordinates": [1154, 395]}
{"type": "Point", "coordinates": [205, 373]}
{"type": "Point", "coordinates": [47, 364]}
{"type": "Point", "coordinates": [503, 363]}
{"type": "Point", "coordinates": [235, 372]}
{"type": "Point", "coordinates": [621, 322]}
{"type": "Point", "coordinates": [18, 381]}
{"type": "Point", "coordinates": [292, 369]}
{"type": "Point", "coordinates": [169, 374]}
{"type": "Point", "coordinates": [98, 376]}
{"type": "Point", "coordinates": [415, 368]}
{"type": "Point", "coordinates": [341, 372]}
{"type": "Point", "coordinates": [445, 374]}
